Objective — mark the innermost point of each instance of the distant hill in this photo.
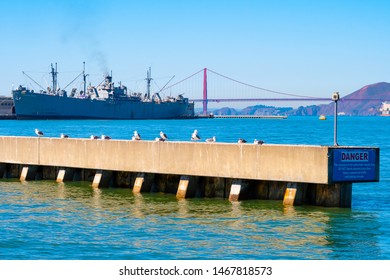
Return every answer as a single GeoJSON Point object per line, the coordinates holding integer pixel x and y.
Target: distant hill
{"type": "Point", "coordinates": [363, 102]}
{"type": "Point", "coordinates": [265, 110]}
{"type": "Point", "coordinates": [226, 111]}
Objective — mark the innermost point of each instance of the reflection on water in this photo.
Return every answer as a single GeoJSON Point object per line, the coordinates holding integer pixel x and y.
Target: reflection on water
{"type": "Point", "coordinates": [48, 220]}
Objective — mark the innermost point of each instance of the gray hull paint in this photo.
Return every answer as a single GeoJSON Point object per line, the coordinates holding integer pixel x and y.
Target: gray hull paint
{"type": "Point", "coordinates": [44, 106]}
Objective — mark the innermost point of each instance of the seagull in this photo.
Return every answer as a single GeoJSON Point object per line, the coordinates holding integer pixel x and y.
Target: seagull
{"type": "Point", "coordinates": [159, 139]}
{"type": "Point", "coordinates": [258, 142]}
{"type": "Point", "coordinates": [105, 137]}
{"type": "Point", "coordinates": [136, 136]}
{"type": "Point", "coordinates": [211, 140]}
{"type": "Point", "coordinates": [240, 141]}
{"type": "Point", "coordinates": [94, 137]}
{"type": "Point", "coordinates": [195, 136]}
{"type": "Point", "coordinates": [163, 135]}
{"type": "Point", "coordinates": [38, 132]}
{"type": "Point", "coordinates": [64, 136]}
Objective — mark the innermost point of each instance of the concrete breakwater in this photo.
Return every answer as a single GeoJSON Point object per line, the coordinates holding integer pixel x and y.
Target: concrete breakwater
{"type": "Point", "coordinates": [296, 174]}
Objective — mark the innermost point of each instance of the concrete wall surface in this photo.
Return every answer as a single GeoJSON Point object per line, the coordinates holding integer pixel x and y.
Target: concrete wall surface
{"type": "Point", "coordinates": [291, 163]}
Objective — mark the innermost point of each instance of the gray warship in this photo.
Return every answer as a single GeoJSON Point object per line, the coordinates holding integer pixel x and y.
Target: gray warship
{"type": "Point", "coordinates": [104, 101]}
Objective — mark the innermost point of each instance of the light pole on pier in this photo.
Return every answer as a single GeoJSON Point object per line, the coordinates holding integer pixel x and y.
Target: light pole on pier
{"type": "Point", "coordinates": [335, 98]}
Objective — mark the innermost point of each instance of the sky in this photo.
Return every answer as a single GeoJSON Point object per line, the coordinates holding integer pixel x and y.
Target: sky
{"type": "Point", "coordinates": [302, 47]}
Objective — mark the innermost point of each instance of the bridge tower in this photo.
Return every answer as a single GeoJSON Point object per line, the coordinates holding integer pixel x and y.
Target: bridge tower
{"type": "Point", "coordinates": [205, 91]}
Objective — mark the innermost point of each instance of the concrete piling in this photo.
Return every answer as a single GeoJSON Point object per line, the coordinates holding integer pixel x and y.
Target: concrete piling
{"type": "Point", "coordinates": [189, 187]}
{"type": "Point", "coordinates": [65, 174]}
{"type": "Point", "coordinates": [61, 175]}
{"type": "Point", "coordinates": [139, 180]}
{"type": "Point", "coordinates": [294, 194]}
{"type": "Point", "coordinates": [235, 190]}
{"type": "Point", "coordinates": [183, 186]}
{"type": "Point", "coordinates": [28, 173]}
{"type": "Point", "coordinates": [3, 169]}
{"type": "Point", "coordinates": [102, 178]}
{"type": "Point", "coordinates": [333, 195]}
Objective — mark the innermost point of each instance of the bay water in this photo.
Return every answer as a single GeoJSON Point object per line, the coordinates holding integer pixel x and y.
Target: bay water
{"type": "Point", "coordinates": [45, 220]}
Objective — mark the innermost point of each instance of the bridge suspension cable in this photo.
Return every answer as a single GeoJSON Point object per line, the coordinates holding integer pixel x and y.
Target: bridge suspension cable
{"type": "Point", "coordinates": [168, 87]}
{"type": "Point", "coordinates": [260, 88]}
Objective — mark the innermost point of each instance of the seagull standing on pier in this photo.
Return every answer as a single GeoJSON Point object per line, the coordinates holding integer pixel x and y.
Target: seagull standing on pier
{"type": "Point", "coordinates": [94, 137]}
{"type": "Point", "coordinates": [241, 141]}
{"type": "Point", "coordinates": [38, 132]}
{"type": "Point", "coordinates": [136, 136]}
{"type": "Point", "coordinates": [258, 142]}
{"type": "Point", "coordinates": [64, 136]}
{"type": "Point", "coordinates": [211, 140]}
{"type": "Point", "coordinates": [105, 137]}
{"type": "Point", "coordinates": [195, 136]}
{"type": "Point", "coordinates": [163, 136]}
{"type": "Point", "coordinates": [159, 139]}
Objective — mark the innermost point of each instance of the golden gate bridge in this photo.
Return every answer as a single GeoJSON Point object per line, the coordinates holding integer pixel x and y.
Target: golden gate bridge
{"type": "Point", "coordinates": [192, 90]}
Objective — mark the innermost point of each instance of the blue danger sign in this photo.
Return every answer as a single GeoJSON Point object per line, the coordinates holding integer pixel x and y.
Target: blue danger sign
{"type": "Point", "coordinates": [355, 165]}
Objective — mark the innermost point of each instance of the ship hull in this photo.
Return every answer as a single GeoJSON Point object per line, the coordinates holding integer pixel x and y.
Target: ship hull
{"type": "Point", "coordinates": [43, 106]}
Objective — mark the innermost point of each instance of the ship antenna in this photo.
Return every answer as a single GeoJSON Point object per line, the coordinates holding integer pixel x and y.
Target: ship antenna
{"type": "Point", "coordinates": [54, 77]}
{"type": "Point", "coordinates": [148, 80]}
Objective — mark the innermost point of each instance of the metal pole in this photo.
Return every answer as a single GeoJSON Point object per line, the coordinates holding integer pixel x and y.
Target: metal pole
{"type": "Point", "coordinates": [335, 98]}
{"type": "Point", "coordinates": [148, 80]}
{"type": "Point", "coordinates": [335, 123]}
{"type": "Point", "coordinates": [84, 79]}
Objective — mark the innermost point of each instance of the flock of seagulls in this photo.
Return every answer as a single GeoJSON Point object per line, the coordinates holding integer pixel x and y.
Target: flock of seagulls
{"type": "Point", "coordinates": [163, 137]}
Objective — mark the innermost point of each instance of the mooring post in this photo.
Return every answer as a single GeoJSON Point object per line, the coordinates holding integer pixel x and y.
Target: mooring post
{"type": "Point", "coordinates": [139, 180]}
{"type": "Point", "coordinates": [235, 190]}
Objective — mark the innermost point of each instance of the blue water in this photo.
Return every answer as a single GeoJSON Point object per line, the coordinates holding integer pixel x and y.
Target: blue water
{"type": "Point", "coordinates": [47, 220]}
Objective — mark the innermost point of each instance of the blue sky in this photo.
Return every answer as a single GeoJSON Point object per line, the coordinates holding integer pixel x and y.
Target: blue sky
{"type": "Point", "coordinates": [304, 47]}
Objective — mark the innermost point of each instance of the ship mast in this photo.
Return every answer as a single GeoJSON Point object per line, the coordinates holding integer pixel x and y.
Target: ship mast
{"type": "Point", "coordinates": [148, 80]}
{"type": "Point", "coordinates": [54, 78]}
{"type": "Point", "coordinates": [84, 78]}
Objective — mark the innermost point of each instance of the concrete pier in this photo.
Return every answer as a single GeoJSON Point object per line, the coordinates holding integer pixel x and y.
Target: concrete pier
{"type": "Point", "coordinates": [296, 174]}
